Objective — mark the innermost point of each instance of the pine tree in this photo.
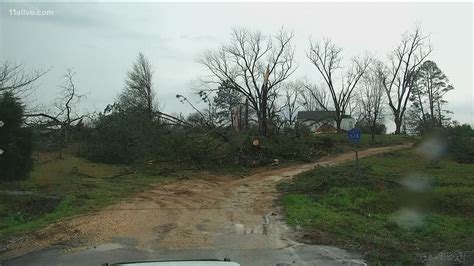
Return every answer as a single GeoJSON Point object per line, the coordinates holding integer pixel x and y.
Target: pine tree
{"type": "Point", "coordinates": [431, 84]}
{"type": "Point", "coordinates": [225, 100]}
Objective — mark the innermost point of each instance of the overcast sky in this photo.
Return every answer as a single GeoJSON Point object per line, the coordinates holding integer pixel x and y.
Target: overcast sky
{"type": "Point", "coordinates": [100, 41]}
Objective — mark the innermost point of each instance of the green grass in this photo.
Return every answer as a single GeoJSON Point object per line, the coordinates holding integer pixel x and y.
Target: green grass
{"type": "Point", "coordinates": [80, 185]}
{"type": "Point", "coordinates": [342, 143]}
{"type": "Point", "coordinates": [335, 206]}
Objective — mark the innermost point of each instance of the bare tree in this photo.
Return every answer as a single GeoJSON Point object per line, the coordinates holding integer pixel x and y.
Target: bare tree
{"type": "Point", "coordinates": [255, 65]}
{"type": "Point", "coordinates": [399, 74]}
{"type": "Point", "coordinates": [65, 118]}
{"type": "Point", "coordinates": [138, 93]}
{"type": "Point", "coordinates": [326, 57]}
{"type": "Point", "coordinates": [313, 98]}
{"type": "Point", "coordinates": [291, 102]}
{"type": "Point", "coordinates": [14, 78]}
{"type": "Point", "coordinates": [371, 98]}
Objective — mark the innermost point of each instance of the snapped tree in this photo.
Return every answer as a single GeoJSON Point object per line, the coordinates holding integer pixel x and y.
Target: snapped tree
{"type": "Point", "coordinates": [64, 119]}
{"type": "Point", "coordinates": [255, 65]}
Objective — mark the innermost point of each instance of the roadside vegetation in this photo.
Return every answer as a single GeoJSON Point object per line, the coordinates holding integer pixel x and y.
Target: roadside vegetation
{"type": "Point", "coordinates": [341, 143]}
{"type": "Point", "coordinates": [61, 188]}
{"type": "Point", "coordinates": [399, 208]}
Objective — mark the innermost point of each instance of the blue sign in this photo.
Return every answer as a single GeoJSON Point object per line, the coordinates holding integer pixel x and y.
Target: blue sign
{"type": "Point", "coordinates": [354, 135]}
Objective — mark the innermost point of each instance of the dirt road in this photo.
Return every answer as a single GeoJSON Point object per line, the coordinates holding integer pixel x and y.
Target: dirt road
{"type": "Point", "coordinates": [214, 212]}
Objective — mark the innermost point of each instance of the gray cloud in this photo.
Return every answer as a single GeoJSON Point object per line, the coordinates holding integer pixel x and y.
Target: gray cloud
{"type": "Point", "coordinates": [101, 40]}
{"type": "Point", "coordinates": [200, 37]}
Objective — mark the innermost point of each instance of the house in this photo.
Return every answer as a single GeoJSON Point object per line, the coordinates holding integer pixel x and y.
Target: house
{"type": "Point", "coordinates": [324, 121]}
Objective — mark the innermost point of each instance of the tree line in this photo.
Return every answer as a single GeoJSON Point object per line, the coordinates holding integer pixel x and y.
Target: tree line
{"type": "Point", "coordinates": [249, 77]}
{"type": "Point", "coordinates": [257, 67]}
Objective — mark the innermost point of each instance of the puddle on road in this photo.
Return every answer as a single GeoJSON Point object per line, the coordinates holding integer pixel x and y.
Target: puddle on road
{"type": "Point", "coordinates": [270, 227]}
{"type": "Point", "coordinates": [241, 229]}
{"type": "Point", "coordinates": [127, 241]}
{"type": "Point", "coordinates": [164, 229]}
{"type": "Point", "coordinates": [203, 227]}
{"type": "Point", "coordinates": [107, 247]}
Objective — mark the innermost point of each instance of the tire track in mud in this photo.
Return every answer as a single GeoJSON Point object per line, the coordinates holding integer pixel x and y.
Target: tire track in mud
{"type": "Point", "coordinates": [212, 212]}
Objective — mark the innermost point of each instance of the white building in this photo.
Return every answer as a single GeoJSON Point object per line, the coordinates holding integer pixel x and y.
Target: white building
{"type": "Point", "coordinates": [324, 121]}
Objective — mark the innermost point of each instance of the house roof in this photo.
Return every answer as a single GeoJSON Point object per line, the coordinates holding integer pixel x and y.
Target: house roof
{"type": "Point", "coordinates": [318, 115]}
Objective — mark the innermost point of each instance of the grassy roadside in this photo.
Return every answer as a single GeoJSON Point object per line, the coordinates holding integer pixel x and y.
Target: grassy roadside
{"type": "Point", "coordinates": [341, 142]}
{"type": "Point", "coordinates": [71, 186]}
{"type": "Point", "coordinates": [377, 214]}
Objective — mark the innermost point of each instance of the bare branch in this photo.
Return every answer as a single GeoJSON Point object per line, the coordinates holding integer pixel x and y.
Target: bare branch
{"type": "Point", "coordinates": [255, 65]}
{"type": "Point", "coordinates": [14, 78]}
{"type": "Point", "coordinates": [326, 57]}
{"type": "Point", "coordinates": [399, 74]}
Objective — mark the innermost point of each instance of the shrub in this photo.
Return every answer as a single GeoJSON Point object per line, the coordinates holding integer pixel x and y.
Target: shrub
{"type": "Point", "coordinates": [15, 140]}
{"type": "Point", "coordinates": [461, 143]}
{"type": "Point", "coordinates": [380, 128]}
{"type": "Point", "coordinates": [128, 137]}
{"type": "Point", "coordinates": [119, 138]}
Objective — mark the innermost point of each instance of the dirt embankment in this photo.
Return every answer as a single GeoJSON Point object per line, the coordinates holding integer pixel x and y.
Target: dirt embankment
{"type": "Point", "coordinates": [208, 212]}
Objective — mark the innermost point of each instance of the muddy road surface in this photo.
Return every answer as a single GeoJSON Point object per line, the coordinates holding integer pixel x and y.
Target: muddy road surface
{"type": "Point", "coordinates": [210, 217]}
